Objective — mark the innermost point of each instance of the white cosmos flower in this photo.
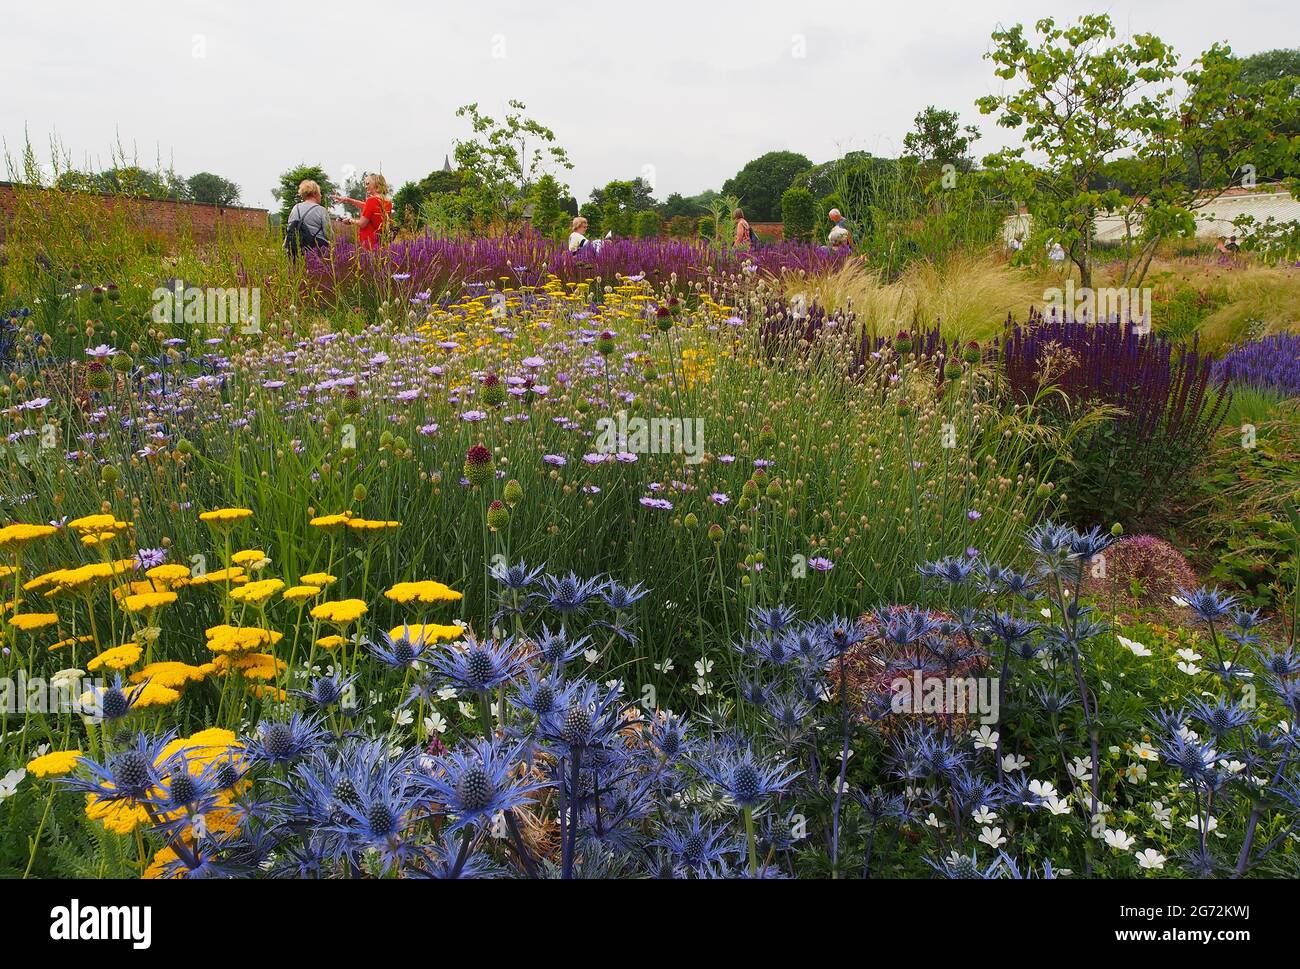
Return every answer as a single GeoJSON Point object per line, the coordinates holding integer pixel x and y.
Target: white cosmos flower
{"type": "Point", "coordinates": [591, 655]}
{"type": "Point", "coordinates": [1150, 859]}
{"type": "Point", "coordinates": [9, 783]}
{"type": "Point", "coordinates": [933, 821]}
{"type": "Point", "coordinates": [992, 837]}
{"type": "Point", "coordinates": [1043, 789]}
{"type": "Point", "coordinates": [1136, 648]}
{"type": "Point", "coordinates": [703, 667]}
{"type": "Point", "coordinates": [1144, 751]}
{"type": "Point", "coordinates": [1161, 813]}
{"type": "Point", "coordinates": [1190, 655]}
{"type": "Point", "coordinates": [1014, 762]}
{"type": "Point", "coordinates": [403, 718]}
{"type": "Point", "coordinates": [435, 723]}
{"type": "Point", "coordinates": [1057, 805]}
{"type": "Point", "coordinates": [1081, 769]}
{"type": "Point", "coordinates": [983, 815]}
{"type": "Point", "coordinates": [1116, 838]}
{"type": "Point", "coordinates": [1191, 669]}
{"type": "Point", "coordinates": [985, 738]}
{"type": "Point", "coordinates": [666, 666]}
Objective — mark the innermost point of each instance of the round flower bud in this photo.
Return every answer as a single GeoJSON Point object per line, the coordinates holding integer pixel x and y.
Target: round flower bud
{"type": "Point", "coordinates": [498, 517]}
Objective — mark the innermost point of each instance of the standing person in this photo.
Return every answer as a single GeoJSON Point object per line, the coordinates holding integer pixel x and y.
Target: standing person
{"type": "Point", "coordinates": [841, 233]}
{"type": "Point", "coordinates": [374, 211]}
{"type": "Point", "coordinates": [578, 234]}
{"type": "Point", "coordinates": [308, 227]}
{"type": "Point", "coordinates": [745, 237]}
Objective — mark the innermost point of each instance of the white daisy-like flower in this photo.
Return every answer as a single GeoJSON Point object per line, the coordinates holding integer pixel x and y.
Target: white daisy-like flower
{"type": "Point", "coordinates": [1043, 789]}
{"type": "Point", "coordinates": [983, 815]}
{"type": "Point", "coordinates": [404, 717]}
{"type": "Point", "coordinates": [1150, 859]}
{"type": "Point", "coordinates": [1162, 814]}
{"type": "Point", "coordinates": [1116, 838]}
{"type": "Point", "coordinates": [1144, 751]}
{"type": "Point", "coordinates": [1013, 762]}
{"type": "Point", "coordinates": [1057, 805]}
{"type": "Point", "coordinates": [703, 667]}
{"type": "Point", "coordinates": [435, 723]}
{"type": "Point", "coordinates": [1134, 647]}
{"type": "Point", "coordinates": [985, 739]}
{"type": "Point", "coordinates": [992, 837]}
{"type": "Point", "coordinates": [1081, 769]}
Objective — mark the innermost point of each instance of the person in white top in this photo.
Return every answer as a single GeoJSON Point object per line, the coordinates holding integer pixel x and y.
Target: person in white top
{"type": "Point", "coordinates": [578, 235]}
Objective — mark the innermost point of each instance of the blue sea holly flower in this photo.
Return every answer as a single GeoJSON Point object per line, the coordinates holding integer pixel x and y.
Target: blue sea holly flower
{"type": "Point", "coordinates": [557, 649]}
{"type": "Point", "coordinates": [620, 597]}
{"type": "Point", "coordinates": [696, 843]}
{"type": "Point", "coordinates": [569, 594]}
{"type": "Point", "coordinates": [955, 569]}
{"type": "Point", "coordinates": [403, 652]}
{"type": "Point", "coordinates": [517, 577]}
{"type": "Point", "coordinates": [283, 742]}
{"type": "Point", "coordinates": [1210, 605]}
{"type": "Point", "coordinates": [327, 691]}
{"type": "Point", "coordinates": [130, 774]}
{"type": "Point", "coordinates": [476, 782]}
{"type": "Point", "coordinates": [772, 620]}
{"type": "Point", "coordinates": [959, 866]}
{"type": "Point", "coordinates": [743, 779]}
{"type": "Point", "coordinates": [482, 665]}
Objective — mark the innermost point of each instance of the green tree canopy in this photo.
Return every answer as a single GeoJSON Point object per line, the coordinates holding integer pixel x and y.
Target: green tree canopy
{"type": "Point", "coordinates": [760, 184]}
{"type": "Point", "coordinates": [212, 189]}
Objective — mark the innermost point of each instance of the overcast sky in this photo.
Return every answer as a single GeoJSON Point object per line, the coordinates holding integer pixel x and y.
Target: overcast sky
{"type": "Point", "coordinates": [684, 91]}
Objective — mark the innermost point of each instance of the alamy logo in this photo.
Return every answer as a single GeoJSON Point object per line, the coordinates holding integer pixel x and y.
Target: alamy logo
{"type": "Point", "coordinates": [100, 923]}
{"type": "Point", "coordinates": [657, 435]}
{"type": "Point", "coordinates": [234, 308]}
{"type": "Point", "coordinates": [1101, 303]}
{"type": "Point", "coordinates": [946, 695]}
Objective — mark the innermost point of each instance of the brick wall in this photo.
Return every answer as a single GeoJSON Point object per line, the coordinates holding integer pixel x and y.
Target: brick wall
{"type": "Point", "coordinates": [168, 219]}
{"type": "Point", "coordinates": [769, 231]}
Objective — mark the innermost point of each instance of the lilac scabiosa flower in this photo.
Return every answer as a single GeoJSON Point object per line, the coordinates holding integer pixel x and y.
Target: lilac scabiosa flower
{"type": "Point", "coordinates": [476, 782]}
{"type": "Point", "coordinates": [743, 779]}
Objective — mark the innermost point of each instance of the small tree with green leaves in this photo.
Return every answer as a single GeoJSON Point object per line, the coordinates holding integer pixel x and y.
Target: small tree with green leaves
{"type": "Point", "coordinates": [504, 160]}
{"type": "Point", "coordinates": [798, 214]}
{"type": "Point", "coordinates": [286, 193]}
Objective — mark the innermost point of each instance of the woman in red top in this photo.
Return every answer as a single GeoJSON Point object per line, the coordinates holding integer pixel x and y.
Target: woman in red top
{"type": "Point", "coordinates": [374, 211]}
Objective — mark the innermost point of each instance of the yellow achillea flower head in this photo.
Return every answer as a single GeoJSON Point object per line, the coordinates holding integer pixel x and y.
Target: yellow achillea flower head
{"type": "Point", "coordinates": [70, 641]}
{"type": "Point", "coordinates": [96, 523]}
{"type": "Point", "coordinates": [234, 575]}
{"type": "Point", "coordinates": [321, 579]}
{"type": "Point", "coordinates": [155, 695]}
{"type": "Point", "coordinates": [368, 526]}
{"type": "Point", "coordinates": [170, 673]}
{"type": "Point", "coordinates": [331, 642]}
{"type": "Point", "coordinates": [343, 612]}
{"type": "Point", "coordinates": [249, 556]}
{"type": "Point", "coordinates": [116, 658]}
{"type": "Point", "coordinates": [331, 521]}
{"type": "Point", "coordinates": [169, 575]}
{"type": "Point", "coordinates": [27, 621]}
{"type": "Point", "coordinates": [19, 534]}
{"type": "Point", "coordinates": [225, 518]}
{"type": "Point", "coordinates": [253, 666]}
{"type": "Point", "coordinates": [427, 593]}
{"type": "Point", "coordinates": [256, 593]}
{"type": "Point", "coordinates": [120, 817]}
{"type": "Point", "coordinates": [236, 639]}
{"type": "Point", "coordinates": [54, 764]}
{"type": "Point", "coordinates": [417, 633]}
{"type": "Point", "coordinates": [301, 593]}
{"type": "Point", "coordinates": [145, 601]}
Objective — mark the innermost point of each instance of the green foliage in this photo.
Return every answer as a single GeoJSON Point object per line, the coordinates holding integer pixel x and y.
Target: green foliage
{"type": "Point", "coordinates": [760, 184]}
{"type": "Point", "coordinates": [504, 160]}
{"type": "Point", "coordinates": [798, 214]}
{"type": "Point", "coordinates": [212, 189]}
{"type": "Point", "coordinates": [938, 138]}
{"type": "Point", "coordinates": [705, 228]}
{"type": "Point", "coordinates": [648, 224]}
{"type": "Point", "coordinates": [1085, 100]}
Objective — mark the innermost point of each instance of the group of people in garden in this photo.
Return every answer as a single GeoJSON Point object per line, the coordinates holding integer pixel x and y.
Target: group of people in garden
{"type": "Point", "coordinates": [309, 227]}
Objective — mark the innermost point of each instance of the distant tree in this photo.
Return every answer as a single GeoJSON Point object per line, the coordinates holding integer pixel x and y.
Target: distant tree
{"type": "Point", "coordinates": [938, 138]}
{"type": "Point", "coordinates": [212, 189]}
{"type": "Point", "coordinates": [798, 214]}
{"type": "Point", "coordinates": [678, 205]}
{"type": "Point", "coordinates": [503, 160]}
{"type": "Point", "coordinates": [681, 227]}
{"type": "Point", "coordinates": [286, 193]}
{"type": "Point", "coordinates": [619, 202]}
{"type": "Point", "coordinates": [649, 224]}
{"type": "Point", "coordinates": [706, 227]}
{"type": "Point", "coordinates": [549, 216]}
{"type": "Point", "coordinates": [1271, 65]}
{"type": "Point", "coordinates": [761, 182]}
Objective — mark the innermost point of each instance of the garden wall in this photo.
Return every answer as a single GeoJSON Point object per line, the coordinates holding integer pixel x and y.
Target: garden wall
{"type": "Point", "coordinates": [167, 218]}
